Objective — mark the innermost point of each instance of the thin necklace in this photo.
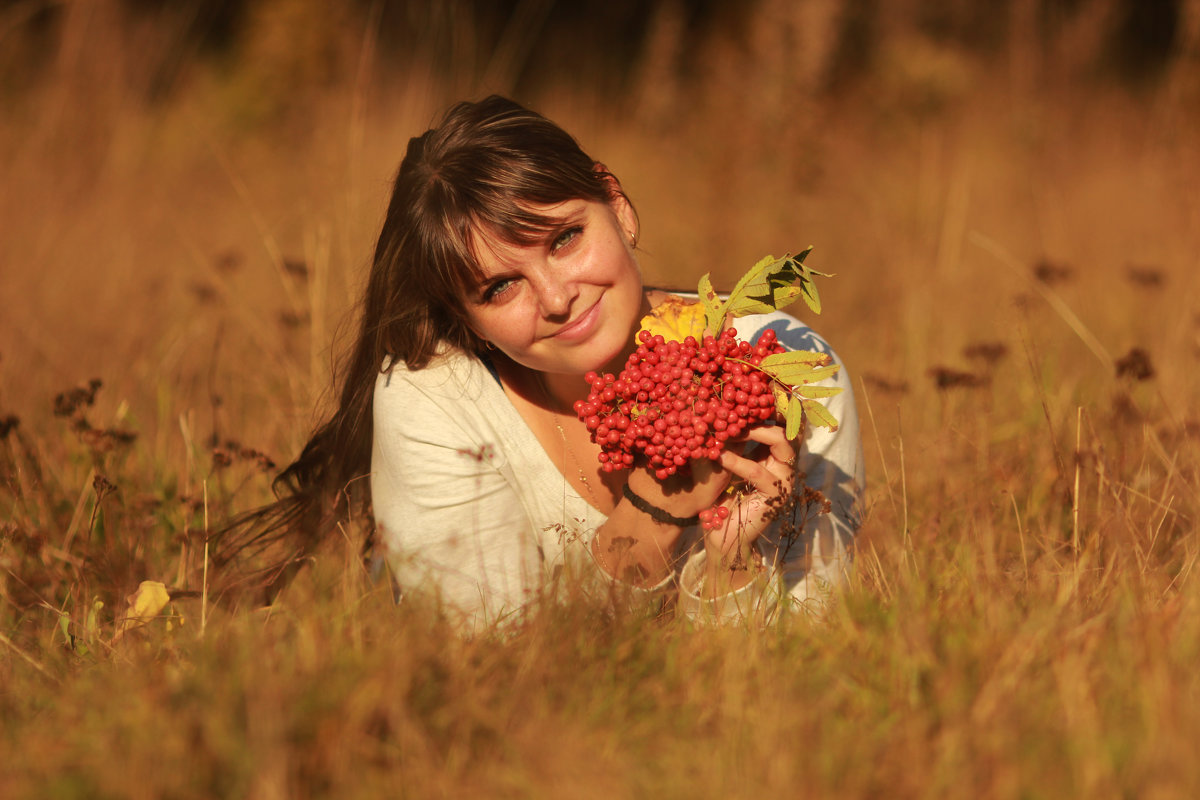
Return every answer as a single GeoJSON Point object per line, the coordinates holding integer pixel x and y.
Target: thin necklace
{"type": "Point", "coordinates": [574, 461]}
{"type": "Point", "coordinates": [566, 444]}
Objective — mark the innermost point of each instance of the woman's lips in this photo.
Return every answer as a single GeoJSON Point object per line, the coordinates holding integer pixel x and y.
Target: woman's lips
{"type": "Point", "coordinates": [579, 328]}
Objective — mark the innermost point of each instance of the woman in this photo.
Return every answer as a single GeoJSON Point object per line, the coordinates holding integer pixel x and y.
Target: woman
{"type": "Point", "coordinates": [505, 271]}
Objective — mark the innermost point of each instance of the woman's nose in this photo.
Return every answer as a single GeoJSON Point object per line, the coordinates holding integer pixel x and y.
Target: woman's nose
{"type": "Point", "coordinates": [555, 296]}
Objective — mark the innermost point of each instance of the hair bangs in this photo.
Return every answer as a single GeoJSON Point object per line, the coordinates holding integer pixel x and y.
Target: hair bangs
{"type": "Point", "coordinates": [507, 210]}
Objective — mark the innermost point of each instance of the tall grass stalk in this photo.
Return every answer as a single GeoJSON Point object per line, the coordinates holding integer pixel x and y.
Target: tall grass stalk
{"type": "Point", "coordinates": [1016, 293]}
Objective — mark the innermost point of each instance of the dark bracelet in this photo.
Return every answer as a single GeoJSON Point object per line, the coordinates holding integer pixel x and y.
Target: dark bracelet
{"type": "Point", "coordinates": [655, 512]}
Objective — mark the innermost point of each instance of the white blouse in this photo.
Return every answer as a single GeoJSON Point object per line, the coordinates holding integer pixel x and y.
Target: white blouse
{"type": "Point", "coordinates": [466, 500]}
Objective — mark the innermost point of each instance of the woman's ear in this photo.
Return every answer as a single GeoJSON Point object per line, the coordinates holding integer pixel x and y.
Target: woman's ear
{"type": "Point", "coordinates": [626, 216]}
{"type": "Point", "coordinates": [619, 202]}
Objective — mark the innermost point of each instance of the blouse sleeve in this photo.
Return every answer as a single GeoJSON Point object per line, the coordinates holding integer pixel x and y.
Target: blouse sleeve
{"type": "Point", "coordinates": [446, 508]}
{"type": "Point", "coordinates": [808, 547]}
{"type": "Point", "coordinates": [813, 544]}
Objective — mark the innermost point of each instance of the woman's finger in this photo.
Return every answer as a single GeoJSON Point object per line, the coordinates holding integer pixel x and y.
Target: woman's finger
{"type": "Point", "coordinates": [748, 517]}
{"type": "Point", "coordinates": [771, 472]}
{"type": "Point", "coordinates": [771, 475]}
{"type": "Point", "coordinates": [781, 449]}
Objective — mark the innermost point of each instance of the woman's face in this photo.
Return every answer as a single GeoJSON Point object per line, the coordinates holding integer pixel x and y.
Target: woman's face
{"type": "Point", "coordinates": [567, 304]}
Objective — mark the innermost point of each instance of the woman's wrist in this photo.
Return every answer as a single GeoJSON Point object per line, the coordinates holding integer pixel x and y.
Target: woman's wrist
{"type": "Point", "coordinates": [729, 570]}
{"type": "Point", "coordinates": [654, 512]}
{"type": "Point", "coordinates": [638, 544]}
{"type": "Point", "coordinates": [716, 596]}
{"type": "Point", "coordinates": [635, 557]}
{"type": "Point", "coordinates": [673, 497]}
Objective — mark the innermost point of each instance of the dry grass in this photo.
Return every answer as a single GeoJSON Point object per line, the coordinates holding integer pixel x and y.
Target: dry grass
{"type": "Point", "coordinates": [1016, 293]}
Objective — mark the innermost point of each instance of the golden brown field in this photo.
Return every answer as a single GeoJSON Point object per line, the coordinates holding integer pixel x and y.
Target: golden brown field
{"type": "Point", "coordinates": [1015, 241]}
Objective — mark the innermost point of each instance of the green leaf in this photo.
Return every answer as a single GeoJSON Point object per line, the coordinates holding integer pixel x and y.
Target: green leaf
{"type": "Point", "coordinates": [810, 293]}
{"type": "Point", "coordinates": [743, 306]}
{"type": "Point", "coordinates": [819, 415]}
{"type": "Point", "coordinates": [821, 373]}
{"type": "Point", "coordinates": [91, 623]}
{"type": "Point", "coordinates": [755, 280]}
{"type": "Point", "coordinates": [812, 391]}
{"type": "Point", "coordinates": [805, 275]}
{"type": "Point", "coordinates": [769, 286]}
{"type": "Point", "coordinates": [755, 292]}
{"type": "Point", "coordinates": [794, 417]}
{"type": "Point", "coordinates": [782, 398]}
{"type": "Point", "coordinates": [810, 357]}
{"type": "Point", "coordinates": [786, 295]}
{"type": "Point", "coordinates": [798, 372]}
{"type": "Point", "coordinates": [714, 312]}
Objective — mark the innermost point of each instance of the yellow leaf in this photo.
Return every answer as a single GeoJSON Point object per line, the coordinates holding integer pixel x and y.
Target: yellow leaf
{"type": "Point", "coordinates": [675, 319]}
{"type": "Point", "coordinates": [798, 366]}
{"type": "Point", "coordinates": [819, 415]}
{"type": "Point", "coordinates": [810, 391]}
{"type": "Point", "coordinates": [809, 357]}
{"type": "Point", "coordinates": [149, 599]}
{"type": "Point", "coordinates": [714, 307]}
{"type": "Point", "coordinates": [794, 419]}
{"type": "Point", "coordinates": [782, 399]}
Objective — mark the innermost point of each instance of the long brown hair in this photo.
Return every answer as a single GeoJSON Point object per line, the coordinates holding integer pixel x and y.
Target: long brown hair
{"type": "Point", "coordinates": [483, 168]}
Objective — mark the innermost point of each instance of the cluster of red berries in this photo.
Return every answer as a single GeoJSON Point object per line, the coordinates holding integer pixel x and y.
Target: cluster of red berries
{"type": "Point", "coordinates": [678, 401]}
{"type": "Point", "coordinates": [713, 518]}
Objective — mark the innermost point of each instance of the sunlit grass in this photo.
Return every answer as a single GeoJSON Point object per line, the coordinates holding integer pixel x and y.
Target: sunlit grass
{"type": "Point", "coordinates": [1021, 620]}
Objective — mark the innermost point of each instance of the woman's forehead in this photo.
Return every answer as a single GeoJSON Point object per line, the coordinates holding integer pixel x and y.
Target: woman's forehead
{"type": "Point", "coordinates": [495, 253]}
{"type": "Point", "coordinates": [496, 248]}
{"type": "Point", "coordinates": [531, 217]}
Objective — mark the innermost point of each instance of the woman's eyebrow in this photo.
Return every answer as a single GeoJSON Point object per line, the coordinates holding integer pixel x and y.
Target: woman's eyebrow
{"type": "Point", "coordinates": [573, 216]}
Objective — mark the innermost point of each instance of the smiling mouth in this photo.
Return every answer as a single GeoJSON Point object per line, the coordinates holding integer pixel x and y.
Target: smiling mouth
{"type": "Point", "coordinates": [579, 327]}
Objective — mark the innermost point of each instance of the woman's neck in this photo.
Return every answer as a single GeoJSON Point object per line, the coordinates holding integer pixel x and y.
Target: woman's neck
{"type": "Point", "coordinates": [562, 390]}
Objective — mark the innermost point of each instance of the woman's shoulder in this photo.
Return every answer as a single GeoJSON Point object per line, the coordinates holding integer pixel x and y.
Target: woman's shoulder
{"type": "Point", "coordinates": [452, 404]}
{"type": "Point", "coordinates": [451, 380]}
{"type": "Point", "coordinates": [792, 333]}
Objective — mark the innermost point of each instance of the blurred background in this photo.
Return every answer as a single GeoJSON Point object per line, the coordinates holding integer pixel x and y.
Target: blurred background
{"type": "Point", "coordinates": [1007, 193]}
{"type": "Point", "coordinates": [191, 188]}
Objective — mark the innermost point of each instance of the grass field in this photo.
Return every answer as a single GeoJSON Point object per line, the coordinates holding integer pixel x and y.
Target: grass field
{"type": "Point", "coordinates": [1016, 294]}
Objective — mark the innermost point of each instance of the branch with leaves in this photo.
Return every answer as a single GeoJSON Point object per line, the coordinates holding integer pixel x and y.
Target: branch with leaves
{"type": "Point", "coordinates": [770, 285]}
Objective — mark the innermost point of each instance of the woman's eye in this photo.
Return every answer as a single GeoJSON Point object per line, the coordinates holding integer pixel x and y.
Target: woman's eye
{"type": "Point", "coordinates": [565, 238]}
{"type": "Point", "coordinates": [498, 289]}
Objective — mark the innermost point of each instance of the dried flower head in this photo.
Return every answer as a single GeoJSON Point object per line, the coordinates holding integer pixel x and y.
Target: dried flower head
{"type": "Point", "coordinates": [1052, 272]}
{"type": "Point", "coordinates": [1135, 365]}
{"type": "Point", "coordinates": [948, 378]}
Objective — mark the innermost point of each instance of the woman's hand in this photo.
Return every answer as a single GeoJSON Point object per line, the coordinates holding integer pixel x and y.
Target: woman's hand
{"type": "Point", "coordinates": [769, 474]}
{"type": "Point", "coordinates": [640, 548]}
{"type": "Point", "coordinates": [643, 552]}
{"type": "Point", "coordinates": [679, 495]}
